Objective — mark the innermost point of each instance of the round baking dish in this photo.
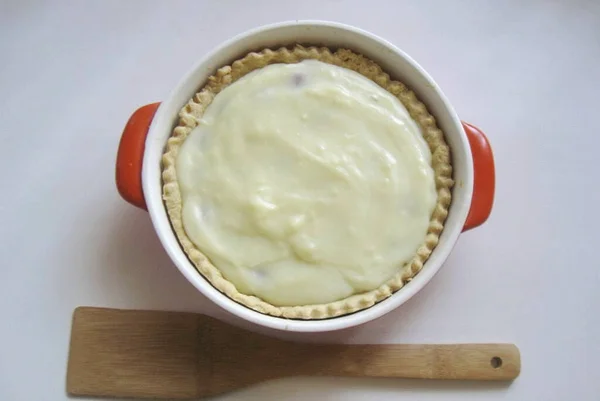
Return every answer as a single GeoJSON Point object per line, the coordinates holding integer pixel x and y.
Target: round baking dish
{"type": "Point", "coordinates": [138, 173]}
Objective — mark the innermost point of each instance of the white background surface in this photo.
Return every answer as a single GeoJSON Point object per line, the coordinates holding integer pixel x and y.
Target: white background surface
{"type": "Point", "coordinates": [528, 73]}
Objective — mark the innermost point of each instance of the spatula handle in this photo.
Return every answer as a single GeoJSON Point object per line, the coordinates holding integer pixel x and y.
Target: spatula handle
{"type": "Point", "coordinates": [456, 361]}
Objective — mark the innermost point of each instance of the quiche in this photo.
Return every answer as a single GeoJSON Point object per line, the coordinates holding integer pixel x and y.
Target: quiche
{"type": "Point", "coordinates": [305, 183]}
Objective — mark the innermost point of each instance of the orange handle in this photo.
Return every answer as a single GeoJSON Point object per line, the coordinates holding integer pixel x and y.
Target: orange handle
{"type": "Point", "coordinates": [131, 154]}
{"type": "Point", "coordinates": [484, 182]}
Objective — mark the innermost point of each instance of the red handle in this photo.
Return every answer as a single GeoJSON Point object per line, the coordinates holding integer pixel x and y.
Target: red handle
{"type": "Point", "coordinates": [131, 154]}
{"type": "Point", "coordinates": [484, 182]}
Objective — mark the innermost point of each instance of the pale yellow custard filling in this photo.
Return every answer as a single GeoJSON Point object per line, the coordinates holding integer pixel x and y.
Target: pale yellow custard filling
{"type": "Point", "coordinates": [306, 183]}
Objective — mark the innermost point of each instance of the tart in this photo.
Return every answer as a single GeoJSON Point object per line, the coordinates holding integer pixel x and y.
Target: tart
{"type": "Point", "coordinates": [305, 183]}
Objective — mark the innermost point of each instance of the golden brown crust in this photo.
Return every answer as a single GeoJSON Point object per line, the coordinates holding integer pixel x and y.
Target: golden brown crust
{"type": "Point", "coordinates": [191, 114]}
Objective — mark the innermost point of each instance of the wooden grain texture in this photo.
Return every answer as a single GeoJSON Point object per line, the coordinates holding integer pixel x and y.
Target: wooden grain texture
{"type": "Point", "coordinates": [151, 354]}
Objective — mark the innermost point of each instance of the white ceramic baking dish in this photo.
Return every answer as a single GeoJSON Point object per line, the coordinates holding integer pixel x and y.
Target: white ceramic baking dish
{"type": "Point", "coordinates": [138, 172]}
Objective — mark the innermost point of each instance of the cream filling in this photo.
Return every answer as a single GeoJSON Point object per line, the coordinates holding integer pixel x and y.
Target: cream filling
{"type": "Point", "coordinates": [306, 183]}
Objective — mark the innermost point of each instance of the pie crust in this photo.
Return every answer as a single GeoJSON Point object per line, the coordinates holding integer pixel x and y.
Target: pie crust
{"type": "Point", "coordinates": [189, 117]}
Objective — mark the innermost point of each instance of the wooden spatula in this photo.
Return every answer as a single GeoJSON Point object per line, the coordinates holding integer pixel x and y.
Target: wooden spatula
{"type": "Point", "coordinates": [128, 353]}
